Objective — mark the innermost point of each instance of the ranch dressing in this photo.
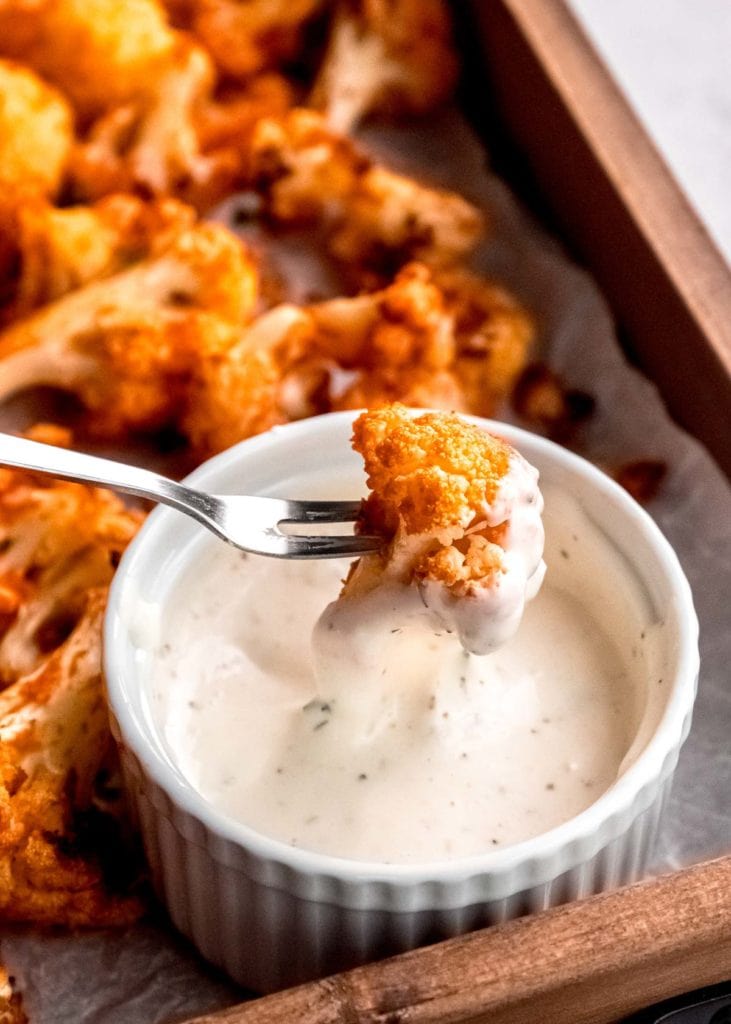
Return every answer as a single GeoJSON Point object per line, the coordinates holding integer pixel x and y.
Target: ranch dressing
{"type": "Point", "coordinates": [439, 753]}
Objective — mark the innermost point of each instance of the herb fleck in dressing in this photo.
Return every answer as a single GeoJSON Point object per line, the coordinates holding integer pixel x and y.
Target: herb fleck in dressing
{"type": "Point", "coordinates": [438, 753]}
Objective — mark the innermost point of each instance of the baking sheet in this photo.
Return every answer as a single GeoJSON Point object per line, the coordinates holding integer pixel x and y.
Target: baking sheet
{"type": "Point", "coordinates": [148, 974]}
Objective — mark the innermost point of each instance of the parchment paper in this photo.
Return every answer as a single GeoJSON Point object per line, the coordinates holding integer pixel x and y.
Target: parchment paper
{"type": "Point", "coordinates": [148, 974]}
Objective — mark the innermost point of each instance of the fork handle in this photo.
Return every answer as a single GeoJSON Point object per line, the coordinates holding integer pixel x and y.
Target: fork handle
{"type": "Point", "coordinates": [77, 466]}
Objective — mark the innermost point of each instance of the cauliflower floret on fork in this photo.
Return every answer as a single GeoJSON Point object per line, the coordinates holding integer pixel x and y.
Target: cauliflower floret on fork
{"type": "Point", "coordinates": [388, 56]}
{"type": "Point", "coordinates": [460, 514]}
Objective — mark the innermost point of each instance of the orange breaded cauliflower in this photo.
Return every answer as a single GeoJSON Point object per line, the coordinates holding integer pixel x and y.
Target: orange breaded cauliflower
{"type": "Point", "coordinates": [56, 725]}
{"type": "Point", "coordinates": [388, 56]}
{"type": "Point", "coordinates": [494, 336]}
{"type": "Point", "coordinates": [394, 344]}
{"type": "Point", "coordinates": [127, 345]}
{"type": "Point", "coordinates": [143, 93]}
{"type": "Point", "coordinates": [374, 217]}
{"type": "Point", "coordinates": [151, 143]}
{"type": "Point", "coordinates": [449, 340]}
{"type": "Point", "coordinates": [226, 122]}
{"type": "Point", "coordinates": [48, 252]}
{"type": "Point", "coordinates": [59, 546]}
{"type": "Point", "coordinates": [57, 541]}
{"type": "Point", "coordinates": [245, 36]}
{"type": "Point", "coordinates": [392, 216]}
{"type": "Point", "coordinates": [432, 476]}
{"type": "Point", "coordinates": [101, 53]}
{"type": "Point", "coordinates": [36, 131]}
{"type": "Point", "coordinates": [459, 511]}
{"type": "Point", "coordinates": [402, 343]}
{"type": "Point", "coordinates": [241, 391]}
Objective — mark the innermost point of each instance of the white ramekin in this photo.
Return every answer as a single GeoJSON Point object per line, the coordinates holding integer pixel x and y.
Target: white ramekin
{"type": "Point", "coordinates": [273, 915]}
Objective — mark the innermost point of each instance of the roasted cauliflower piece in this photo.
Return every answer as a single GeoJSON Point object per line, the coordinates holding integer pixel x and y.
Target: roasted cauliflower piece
{"type": "Point", "coordinates": [306, 173]}
{"type": "Point", "coordinates": [394, 344]}
{"type": "Point", "coordinates": [245, 36]}
{"type": "Point", "coordinates": [403, 343]}
{"type": "Point", "coordinates": [128, 346]}
{"type": "Point", "coordinates": [36, 131]}
{"type": "Point", "coordinates": [447, 340]}
{"type": "Point", "coordinates": [460, 515]}
{"type": "Point", "coordinates": [239, 392]}
{"type": "Point", "coordinates": [48, 252]}
{"type": "Point", "coordinates": [53, 724]}
{"type": "Point", "coordinates": [151, 143]}
{"type": "Point", "coordinates": [494, 338]}
{"type": "Point", "coordinates": [226, 122]}
{"type": "Point", "coordinates": [138, 87]}
{"type": "Point", "coordinates": [57, 540]}
{"type": "Point", "coordinates": [391, 218]}
{"type": "Point", "coordinates": [101, 53]}
{"type": "Point", "coordinates": [59, 546]}
{"type": "Point", "coordinates": [394, 57]}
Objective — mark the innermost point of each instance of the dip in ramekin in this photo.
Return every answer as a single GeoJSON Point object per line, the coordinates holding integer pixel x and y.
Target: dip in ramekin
{"type": "Point", "coordinates": [374, 837]}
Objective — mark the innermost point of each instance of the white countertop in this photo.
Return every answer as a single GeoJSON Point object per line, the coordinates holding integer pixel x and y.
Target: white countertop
{"type": "Point", "coordinates": [672, 58]}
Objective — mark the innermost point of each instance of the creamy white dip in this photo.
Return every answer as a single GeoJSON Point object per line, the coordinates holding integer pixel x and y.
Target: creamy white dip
{"type": "Point", "coordinates": [414, 750]}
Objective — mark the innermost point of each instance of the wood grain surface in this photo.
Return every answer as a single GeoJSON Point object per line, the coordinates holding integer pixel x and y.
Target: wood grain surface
{"type": "Point", "coordinates": [589, 962]}
{"type": "Point", "coordinates": [580, 147]}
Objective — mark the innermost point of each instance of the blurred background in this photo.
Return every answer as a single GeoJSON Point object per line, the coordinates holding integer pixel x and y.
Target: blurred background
{"type": "Point", "coordinates": [671, 57]}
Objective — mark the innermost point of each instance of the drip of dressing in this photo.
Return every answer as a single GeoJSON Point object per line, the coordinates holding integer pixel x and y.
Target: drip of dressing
{"type": "Point", "coordinates": [410, 749]}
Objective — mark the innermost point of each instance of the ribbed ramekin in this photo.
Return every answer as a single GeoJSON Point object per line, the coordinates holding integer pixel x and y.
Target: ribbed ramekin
{"type": "Point", "coordinates": [273, 915]}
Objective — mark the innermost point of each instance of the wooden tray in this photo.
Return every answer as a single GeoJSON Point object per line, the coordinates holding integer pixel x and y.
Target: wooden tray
{"type": "Point", "coordinates": [564, 137]}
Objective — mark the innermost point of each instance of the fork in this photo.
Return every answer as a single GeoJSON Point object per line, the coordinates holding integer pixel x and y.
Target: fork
{"type": "Point", "coordinates": [249, 522]}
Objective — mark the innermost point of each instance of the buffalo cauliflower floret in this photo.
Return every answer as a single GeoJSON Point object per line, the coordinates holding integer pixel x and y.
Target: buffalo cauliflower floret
{"type": "Point", "coordinates": [53, 733]}
{"type": "Point", "coordinates": [59, 546]}
{"type": "Point", "coordinates": [138, 87]}
{"type": "Point", "coordinates": [226, 121]}
{"type": "Point", "coordinates": [36, 131]}
{"type": "Point", "coordinates": [101, 53]}
{"type": "Point", "coordinates": [392, 216]}
{"type": "Point", "coordinates": [494, 337]}
{"type": "Point", "coordinates": [372, 216]}
{"type": "Point", "coordinates": [48, 252]}
{"type": "Point", "coordinates": [238, 392]}
{"type": "Point", "coordinates": [449, 340]}
{"type": "Point", "coordinates": [394, 344]}
{"type": "Point", "coordinates": [245, 36]}
{"type": "Point", "coordinates": [459, 512]}
{"type": "Point", "coordinates": [386, 56]}
{"type": "Point", "coordinates": [151, 143]}
{"type": "Point", "coordinates": [57, 541]}
{"type": "Point", "coordinates": [128, 345]}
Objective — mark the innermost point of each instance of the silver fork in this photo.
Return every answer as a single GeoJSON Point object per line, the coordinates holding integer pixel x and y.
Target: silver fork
{"type": "Point", "coordinates": [248, 522]}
